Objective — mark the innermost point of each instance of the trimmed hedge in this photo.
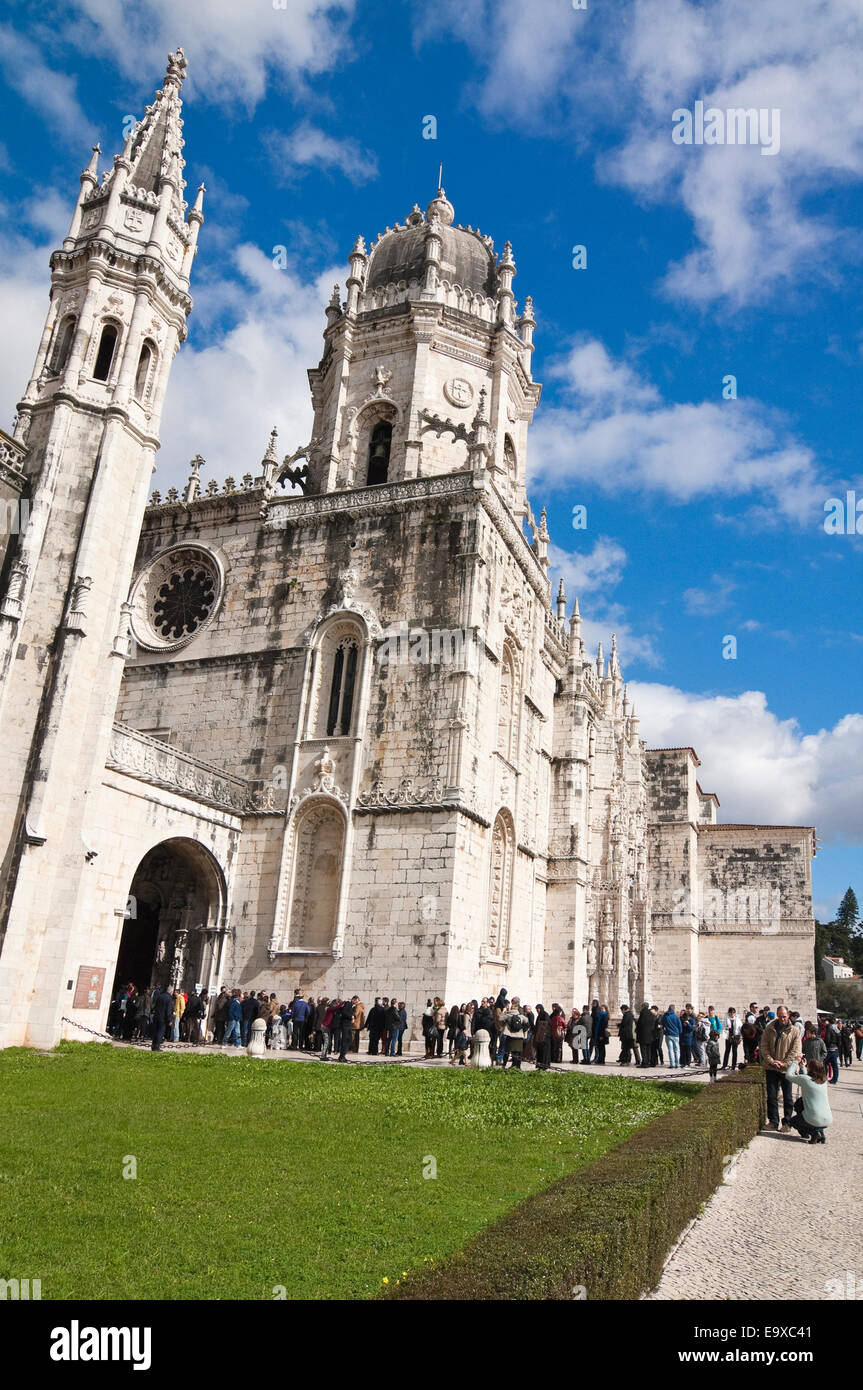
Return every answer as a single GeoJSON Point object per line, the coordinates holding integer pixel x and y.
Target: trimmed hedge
{"type": "Point", "coordinates": [609, 1226]}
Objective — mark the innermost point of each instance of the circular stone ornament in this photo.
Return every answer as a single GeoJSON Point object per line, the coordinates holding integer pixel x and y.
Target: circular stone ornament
{"type": "Point", "coordinates": [458, 392]}
{"type": "Point", "coordinates": [176, 597]}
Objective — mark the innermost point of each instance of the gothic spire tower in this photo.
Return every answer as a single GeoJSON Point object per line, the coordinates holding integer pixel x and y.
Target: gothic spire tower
{"type": "Point", "coordinates": [81, 456]}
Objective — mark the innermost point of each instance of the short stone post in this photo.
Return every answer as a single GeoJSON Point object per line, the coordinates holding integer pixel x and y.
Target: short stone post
{"type": "Point", "coordinates": [256, 1046]}
{"type": "Point", "coordinates": [479, 1053]}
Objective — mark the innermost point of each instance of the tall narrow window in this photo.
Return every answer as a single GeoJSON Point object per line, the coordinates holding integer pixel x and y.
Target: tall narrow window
{"type": "Point", "coordinates": [143, 371]}
{"type": "Point", "coordinates": [379, 453]}
{"type": "Point", "coordinates": [105, 355]}
{"type": "Point", "coordinates": [342, 688]}
{"type": "Point", "coordinates": [63, 344]}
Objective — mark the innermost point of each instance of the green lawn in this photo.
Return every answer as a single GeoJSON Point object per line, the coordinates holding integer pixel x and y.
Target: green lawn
{"type": "Point", "coordinates": [252, 1175]}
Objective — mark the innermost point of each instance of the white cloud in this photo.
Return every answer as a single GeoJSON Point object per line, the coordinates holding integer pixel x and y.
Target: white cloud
{"type": "Point", "coordinates": [224, 398]}
{"type": "Point", "coordinates": [616, 81]}
{"type": "Point", "coordinates": [309, 147]}
{"type": "Point", "coordinates": [584, 571]}
{"type": "Point", "coordinates": [232, 49]}
{"type": "Point", "coordinates": [589, 575]}
{"type": "Point", "coordinates": [763, 769]}
{"type": "Point", "coordinates": [705, 602]}
{"type": "Point", "coordinates": [24, 289]}
{"type": "Point", "coordinates": [614, 431]}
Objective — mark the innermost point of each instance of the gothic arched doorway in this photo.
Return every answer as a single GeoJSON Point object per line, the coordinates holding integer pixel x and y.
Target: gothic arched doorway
{"type": "Point", "coordinates": [171, 936]}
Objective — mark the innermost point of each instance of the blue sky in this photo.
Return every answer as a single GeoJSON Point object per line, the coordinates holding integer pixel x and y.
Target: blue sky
{"type": "Point", "coordinates": [705, 516]}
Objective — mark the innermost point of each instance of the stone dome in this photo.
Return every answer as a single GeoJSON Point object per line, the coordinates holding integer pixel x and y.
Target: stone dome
{"type": "Point", "coordinates": [466, 258]}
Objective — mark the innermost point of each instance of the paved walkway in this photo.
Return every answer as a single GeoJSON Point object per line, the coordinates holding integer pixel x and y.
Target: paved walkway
{"type": "Point", "coordinates": [787, 1219]}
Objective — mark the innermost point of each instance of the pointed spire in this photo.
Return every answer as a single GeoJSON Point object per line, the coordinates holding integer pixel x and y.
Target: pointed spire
{"type": "Point", "coordinates": [600, 662]}
{"type": "Point", "coordinates": [561, 600]}
{"type": "Point", "coordinates": [270, 461]}
{"type": "Point", "coordinates": [92, 170]}
{"type": "Point", "coordinates": [155, 152]}
{"type": "Point", "coordinates": [333, 310]}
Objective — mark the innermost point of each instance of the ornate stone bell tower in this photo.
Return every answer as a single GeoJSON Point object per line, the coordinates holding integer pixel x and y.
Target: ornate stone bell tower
{"type": "Point", "coordinates": [81, 455]}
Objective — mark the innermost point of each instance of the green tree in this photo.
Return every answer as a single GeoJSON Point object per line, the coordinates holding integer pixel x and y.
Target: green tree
{"type": "Point", "coordinates": [844, 997]}
{"type": "Point", "coordinates": [848, 915]}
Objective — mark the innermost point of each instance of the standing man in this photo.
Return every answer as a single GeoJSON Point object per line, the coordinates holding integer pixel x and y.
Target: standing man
{"type": "Point", "coordinates": [220, 1015]}
{"type": "Point", "coordinates": [358, 1021]}
{"type": "Point", "coordinates": [749, 1033]}
{"type": "Point", "coordinates": [346, 1036]}
{"type": "Point", "coordinates": [250, 1013]}
{"type": "Point", "coordinates": [163, 1013]}
{"type": "Point", "coordinates": [300, 1018]}
{"type": "Point", "coordinates": [672, 1027]}
{"type": "Point", "coordinates": [376, 1026]}
{"type": "Point", "coordinates": [780, 1046]}
{"type": "Point", "coordinates": [732, 1028]}
{"type": "Point", "coordinates": [833, 1043]}
{"type": "Point", "coordinates": [626, 1032]}
{"type": "Point", "coordinates": [643, 1034]}
{"type": "Point", "coordinates": [392, 1020]}
{"type": "Point", "coordinates": [235, 1018]}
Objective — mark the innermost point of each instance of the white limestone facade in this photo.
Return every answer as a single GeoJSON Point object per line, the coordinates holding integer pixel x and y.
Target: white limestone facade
{"type": "Point", "coordinates": [324, 727]}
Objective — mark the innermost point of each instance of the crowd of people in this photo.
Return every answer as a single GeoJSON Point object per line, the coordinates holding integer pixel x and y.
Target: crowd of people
{"type": "Point", "coordinates": [517, 1033]}
{"type": "Point", "coordinates": [792, 1051]}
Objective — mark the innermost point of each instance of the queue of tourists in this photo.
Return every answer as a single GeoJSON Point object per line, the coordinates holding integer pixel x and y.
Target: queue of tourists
{"type": "Point", "coordinates": [500, 1032]}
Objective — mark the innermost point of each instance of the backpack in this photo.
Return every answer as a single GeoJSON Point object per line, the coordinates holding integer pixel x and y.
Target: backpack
{"type": "Point", "coordinates": [702, 1032]}
{"type": "Point", "coordinates": [515, 1024]}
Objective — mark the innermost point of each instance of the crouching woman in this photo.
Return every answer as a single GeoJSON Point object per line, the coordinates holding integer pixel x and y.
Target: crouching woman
{"type": "Point", "coordinates": [812, 1108]}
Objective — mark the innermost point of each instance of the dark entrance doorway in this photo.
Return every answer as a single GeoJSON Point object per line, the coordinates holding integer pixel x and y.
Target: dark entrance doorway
{"type": "Point", "coordinates": [171, 936]}
{"type": "Point", "coordinates": [138, 947]}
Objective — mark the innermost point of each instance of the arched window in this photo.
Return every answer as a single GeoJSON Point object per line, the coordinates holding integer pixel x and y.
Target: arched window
{"type": "Point", "coordinates": [319, 837]}
{"type": "Point", "coordinates": [508, 705]}
{"type": "Point", "coordinates": [509, 459]}
{"type": "Point", "coordinates": [342, 686]}
{"type": "Point", "coordinates": [105, 355]}
{"type": "Point", "coordinates": [63, 343]}
{"type": "Point", "coordinates": [379, 453]}
{"type": "Point", "coordinates": [142, 374]}
{"type": "Point", "coordinates": [500, 884]}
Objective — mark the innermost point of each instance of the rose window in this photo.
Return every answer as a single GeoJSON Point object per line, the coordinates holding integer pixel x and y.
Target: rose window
{"type": "Point", "coordinates": [183, 603]}
{"type": "Point", "coordinates": [176, 597]}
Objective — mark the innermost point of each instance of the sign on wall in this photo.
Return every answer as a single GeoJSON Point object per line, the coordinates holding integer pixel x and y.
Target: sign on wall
{"type": "Point", "coordinates": [88, 990]}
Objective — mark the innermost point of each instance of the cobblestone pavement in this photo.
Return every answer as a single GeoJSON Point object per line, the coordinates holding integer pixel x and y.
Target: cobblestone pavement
{"type": "Point", "coordinates": [788, 1218]}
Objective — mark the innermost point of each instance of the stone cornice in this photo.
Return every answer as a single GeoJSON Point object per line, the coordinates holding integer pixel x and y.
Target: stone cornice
{"type": "Point", "coordinates": [116, 259]}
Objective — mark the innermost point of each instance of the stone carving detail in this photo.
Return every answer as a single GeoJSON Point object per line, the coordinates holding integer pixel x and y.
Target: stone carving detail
{"type": "Point", "coordinates": [324, 781]}
{"type": "Point", "coordinates": [155, 762]}
{"type": "Point", "coordinates": [405, 794]}
{"type": "Point", "coordinates": [458, 392]}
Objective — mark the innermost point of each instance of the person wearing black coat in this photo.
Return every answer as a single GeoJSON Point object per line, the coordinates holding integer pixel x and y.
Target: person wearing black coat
{"type": "Point", "coordinates": [626, 1033]}
{"type": "Point", "coordinates": [250, 1013]}
{"type": "Point", "coordinates": [376, 1022]}
{"type": "Point", "coordinates": [162, 1013]}
{"type": "Point", "coordinates": [347, 1020]}
{"type": "Point", "coordinates": [644, 1034]}
{"type": "Point", "coordinates": [656, 1058]}
{"type": "Point", "coordinates": [483, 1018]}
